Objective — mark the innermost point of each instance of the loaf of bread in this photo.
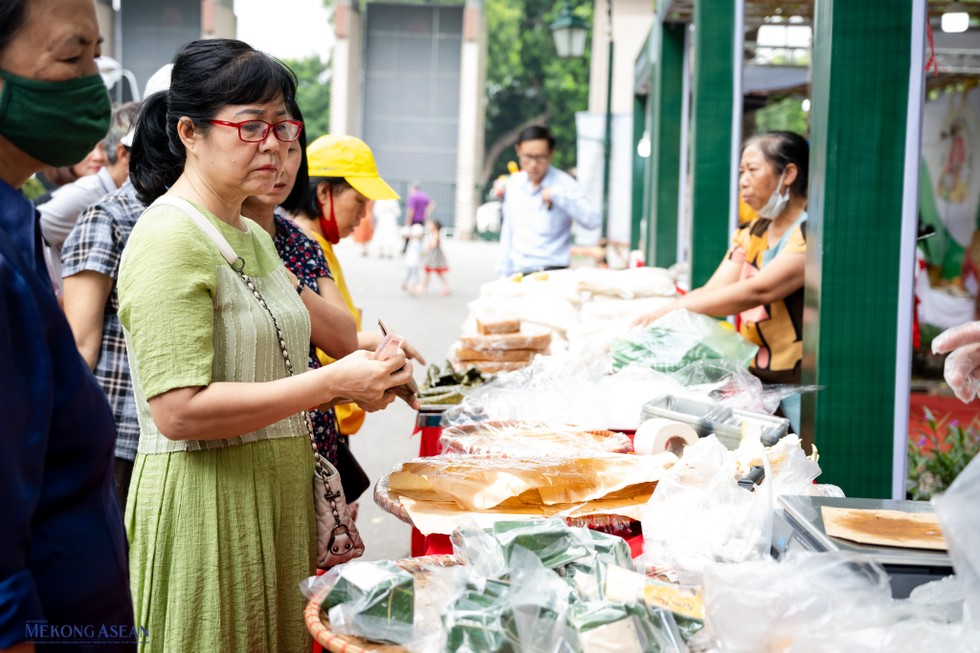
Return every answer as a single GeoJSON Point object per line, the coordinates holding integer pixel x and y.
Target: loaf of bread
{"type": "Point", "coordinates": [465, 354]}
{"type": "Point", "coordinates": [488, 327]}
{"type": "Point", "coordinates": [533, 337]}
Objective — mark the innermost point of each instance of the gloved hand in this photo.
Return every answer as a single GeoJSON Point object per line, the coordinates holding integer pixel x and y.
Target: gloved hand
{"type": "Point", "coordinates": [962, 370]}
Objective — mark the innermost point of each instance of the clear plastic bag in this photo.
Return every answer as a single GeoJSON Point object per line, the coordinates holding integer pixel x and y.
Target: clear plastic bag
{"type": "Point", "coordinates": [829, 603]}
{"type": "Point", "coordinates": [559, 389]}
{"type": "Point", "coordinates": [680, 338]}
{"type": "Point", "coordinates": [625, 628]}
{"type": "Point", "coordinates": [959, 516]}
{"type": "Point", "coordinates": [801, 597]}
{"type": "Point", "coordinates": [514, 438]}
{"type": "Point", "coordinates": [726, 382]}
{"type": "Point", "coordinates": [942, 599]}
{"type": "Point", "coordinates": [474, 622]}
{"type": "Point", "coordinates": [539, 607]}
{"type": "Point", "coordinates": [435, 590]}
{"type": "Point", "coordinates": [732, 385]}
{"type": "Point", "coordinates": [551, 540]}
{"type": "Point", "coordinates": [373, 599]}
{"type": "Point", "coordinates": [479, 549]}
{"type": "Point", "coordinates": [699, 515]}
{"type": "Point", "coordinates": [792, 472]}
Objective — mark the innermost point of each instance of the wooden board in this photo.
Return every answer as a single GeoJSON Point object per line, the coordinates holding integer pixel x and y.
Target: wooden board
{"type": "Point", "coordinates": [906, 530]}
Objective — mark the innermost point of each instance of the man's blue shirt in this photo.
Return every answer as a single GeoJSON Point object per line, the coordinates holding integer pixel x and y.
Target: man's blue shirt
{"type": "Point", "coordinates": [535, 236]}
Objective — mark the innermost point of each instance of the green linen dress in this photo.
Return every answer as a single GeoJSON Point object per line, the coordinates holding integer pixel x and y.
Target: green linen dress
{"type": "Point", "coordinates": [222, 531]}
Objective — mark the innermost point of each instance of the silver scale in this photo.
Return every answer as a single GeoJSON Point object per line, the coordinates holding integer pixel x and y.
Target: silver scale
{"type": "Point", "coordinates": [798, 525]}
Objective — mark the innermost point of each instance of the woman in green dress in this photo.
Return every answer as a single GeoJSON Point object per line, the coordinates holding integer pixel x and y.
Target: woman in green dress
{"type": "Point", "coordinates": [220, 516]}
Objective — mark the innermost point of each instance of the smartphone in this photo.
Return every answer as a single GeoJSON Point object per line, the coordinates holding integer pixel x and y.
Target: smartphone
{"type": "Point", "coordinates": [390, 344]}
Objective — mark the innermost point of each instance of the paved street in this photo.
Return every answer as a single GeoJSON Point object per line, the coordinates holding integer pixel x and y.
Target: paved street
{"type": "Point", "coordinates": [431, 324]}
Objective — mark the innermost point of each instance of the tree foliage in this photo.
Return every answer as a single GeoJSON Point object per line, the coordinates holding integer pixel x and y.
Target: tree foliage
{"type": "Point", "coordinates": [526, 79]}
{"type": "Point", "coordinates": [782, 113]}
{"type": "Point", "coordinates": [313, 94]}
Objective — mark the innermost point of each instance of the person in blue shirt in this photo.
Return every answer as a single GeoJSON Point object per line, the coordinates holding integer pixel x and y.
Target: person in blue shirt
{"type": "Point", "coordinates": [540, 205]}
{"type": "Point", "coordinates": [63, 565]}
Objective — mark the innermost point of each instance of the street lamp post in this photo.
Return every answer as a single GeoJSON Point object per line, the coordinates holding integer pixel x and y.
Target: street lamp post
{"type": "Point", "coordinates": [567, 30]}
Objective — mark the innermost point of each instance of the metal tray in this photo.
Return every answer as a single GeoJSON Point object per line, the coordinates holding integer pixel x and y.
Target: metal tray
{"type": "Point", "coordinates": [707, 417]}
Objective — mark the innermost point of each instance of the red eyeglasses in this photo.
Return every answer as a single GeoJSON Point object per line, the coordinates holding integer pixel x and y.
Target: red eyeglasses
{"type": "Point", "coordinates": [256, 131]}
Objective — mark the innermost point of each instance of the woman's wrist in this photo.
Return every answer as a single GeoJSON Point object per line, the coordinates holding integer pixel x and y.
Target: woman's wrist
{"type": "Point", "coordinates": [325, 393]}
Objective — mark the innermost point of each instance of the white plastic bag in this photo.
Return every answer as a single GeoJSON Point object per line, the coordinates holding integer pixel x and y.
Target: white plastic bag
{"type": "Point", "coordinates": [699, 515]}
{"type": "Point", "coordinates": [764, 605]}
{"type": "Point", "coordinates": [959, 515]}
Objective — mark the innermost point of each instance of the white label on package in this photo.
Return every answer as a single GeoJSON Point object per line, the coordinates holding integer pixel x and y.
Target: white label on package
{"type": "Point", "coordinates": [623, 585]}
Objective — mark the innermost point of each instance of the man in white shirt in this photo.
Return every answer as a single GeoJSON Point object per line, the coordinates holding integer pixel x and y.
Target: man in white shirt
{"type": "Point", "coordinates": [540, 204]}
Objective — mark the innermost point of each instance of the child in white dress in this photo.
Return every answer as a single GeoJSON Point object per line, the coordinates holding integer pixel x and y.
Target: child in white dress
{"type": "Point", "coordinates": [413, 260]}
{"type": "Point", "coordinates": [433, 260]}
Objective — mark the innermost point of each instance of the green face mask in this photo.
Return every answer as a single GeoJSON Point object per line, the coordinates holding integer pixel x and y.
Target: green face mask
{"type": "Point", "coordinates": [57, 123]}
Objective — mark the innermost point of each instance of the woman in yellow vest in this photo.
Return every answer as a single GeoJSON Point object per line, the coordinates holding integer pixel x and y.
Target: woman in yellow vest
{"type": "Point", "coordinates": [761, 277]}
{"type": "Point", "coordinates": [343, 180]}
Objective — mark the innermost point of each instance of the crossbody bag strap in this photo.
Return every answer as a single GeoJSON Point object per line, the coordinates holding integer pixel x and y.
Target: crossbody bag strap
{"type": "Point", "coordinates": [237, 264]}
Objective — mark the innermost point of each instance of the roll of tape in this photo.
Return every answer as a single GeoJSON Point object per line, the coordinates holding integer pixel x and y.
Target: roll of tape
{"type": "Point", "coordinates": [658, 435]}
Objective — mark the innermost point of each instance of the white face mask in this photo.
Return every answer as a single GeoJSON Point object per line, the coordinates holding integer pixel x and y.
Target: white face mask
{"type": "Point", "coordinates": [777, 201]}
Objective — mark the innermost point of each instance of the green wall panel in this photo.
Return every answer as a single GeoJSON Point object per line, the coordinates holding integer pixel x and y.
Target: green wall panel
{"type": "Point", "coordinates": [858, 130]}
{"type": "Point", "coordinates": [639, 171]}
{"type": "Point", "coordinates": [665, 144]}
{"type": "Point", "coordinates": [711, 138]}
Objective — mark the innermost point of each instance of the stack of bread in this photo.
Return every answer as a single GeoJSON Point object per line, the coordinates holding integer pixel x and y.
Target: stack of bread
{"type": "Point", "coordinates": [500, 345]}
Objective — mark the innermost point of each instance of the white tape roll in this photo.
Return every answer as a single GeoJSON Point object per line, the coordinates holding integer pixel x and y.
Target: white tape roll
{"type": "Point", "coordinates": [658, 435]}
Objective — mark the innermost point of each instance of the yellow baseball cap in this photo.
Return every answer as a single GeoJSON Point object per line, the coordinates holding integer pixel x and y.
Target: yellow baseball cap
{"type": "Point", "coordinates": [350, 158]}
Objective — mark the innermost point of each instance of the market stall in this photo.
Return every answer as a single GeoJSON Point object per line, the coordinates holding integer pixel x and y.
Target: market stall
{"type": "Point", "coordinates": [631, 490]}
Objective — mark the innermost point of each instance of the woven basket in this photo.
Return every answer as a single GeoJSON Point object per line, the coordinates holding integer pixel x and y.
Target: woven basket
{"type": "Point", "coordinates": [319, 625]}
{"type": "Point", "coordinates": [389, 501]}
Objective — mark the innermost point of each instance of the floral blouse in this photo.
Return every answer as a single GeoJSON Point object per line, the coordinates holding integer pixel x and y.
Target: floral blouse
{"type": "Point", "coordinates": [304, 258]}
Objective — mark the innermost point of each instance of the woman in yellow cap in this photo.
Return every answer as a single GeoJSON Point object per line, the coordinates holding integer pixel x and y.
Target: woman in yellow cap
{"type": "Point", "coordinates": [343, 178]}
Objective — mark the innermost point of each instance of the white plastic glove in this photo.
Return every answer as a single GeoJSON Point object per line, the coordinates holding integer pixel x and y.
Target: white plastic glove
{"type": "Point", "coordinates": [962, 370]}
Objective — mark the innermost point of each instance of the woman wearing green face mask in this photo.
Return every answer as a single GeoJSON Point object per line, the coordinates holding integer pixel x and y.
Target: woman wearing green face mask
{"type": "Point", "coordinates": [62, 549]}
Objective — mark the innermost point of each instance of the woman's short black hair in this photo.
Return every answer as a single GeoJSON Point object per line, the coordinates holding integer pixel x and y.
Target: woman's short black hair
{"type": "Point", "coordinates": [208, 75]}
{"type": "Point", "coordinates": [311, 207]}
{"type": "Point", "coordinates": [13, 15]}
{"type": "Point", "coordinates": [780, 148]}
{"type": "Point", "coordinates": [537, 133]}
{"type": "Point", "coordinates": [294, 201]}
